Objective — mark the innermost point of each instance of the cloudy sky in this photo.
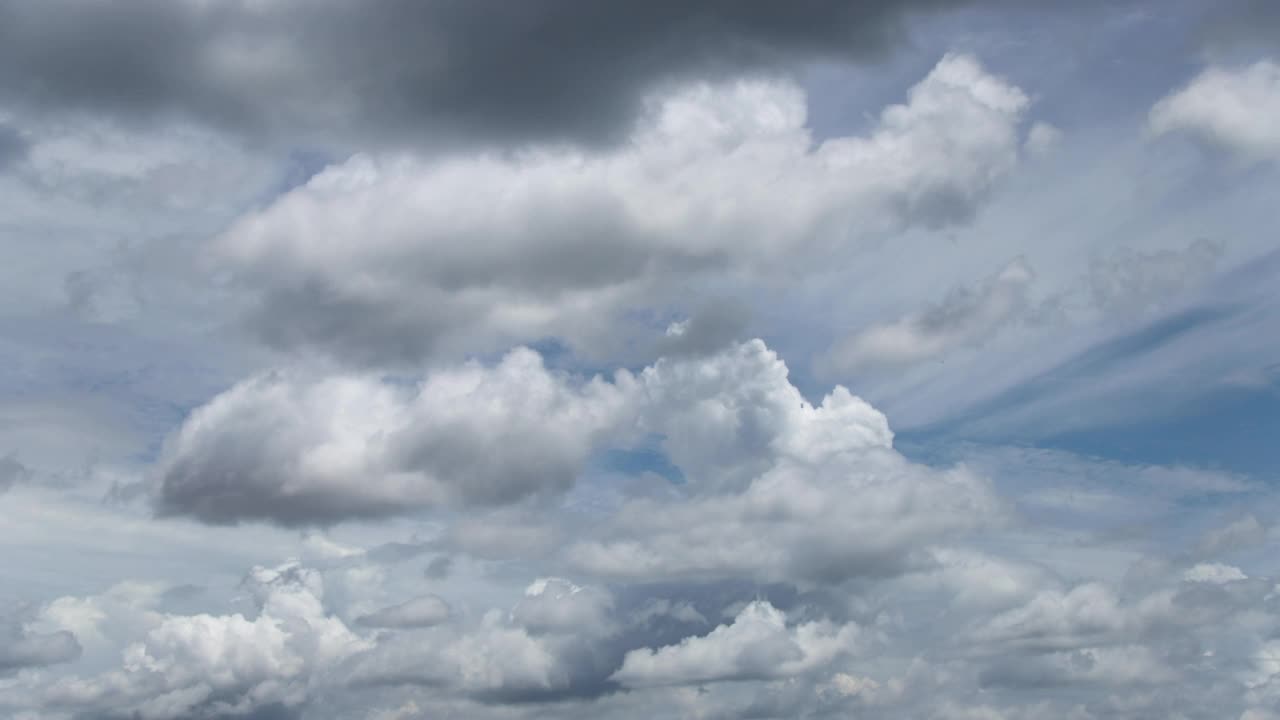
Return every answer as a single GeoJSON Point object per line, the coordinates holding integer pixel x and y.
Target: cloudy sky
{"type": "Point", "coordinates": [708, 359]}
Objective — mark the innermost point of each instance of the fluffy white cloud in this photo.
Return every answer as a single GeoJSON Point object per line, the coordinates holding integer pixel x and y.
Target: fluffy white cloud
{"type": "Point", "coordinates": [301, 451]}
{"type": "Point", "coordinates": [993, 627]}
{"type": "Point", "coordinates": [101, 622]}
{"type": "Point", "coordinates": [794, 491]}
{"type": "Point", "coordinates": [391, 258]}
{"type": "Point", "coordinates": [1214, 573]}
{"type": "Point", "coordinates": [757, 645]}
{"type": "Point", "coordinates": [193, 666]}
{"type": "Point", "coordinates": [548, 645]}
{"type": "Point", "coordinates": [783, 487]}
{"type": "Point", "coordinates": [1055, 620]}
{"type": "Point", "coordinates": [1234, 107]}
{"type": "Point", "coordinates": [502, 658]}
{"type": "Point", "coordinates": [557, 605]}
{"type": "Point", "coordinates": [775, 487]}
{"type": "Point", "coordinates": [727, 418]}
{"type": "Point", "coordinates": [969, 579]}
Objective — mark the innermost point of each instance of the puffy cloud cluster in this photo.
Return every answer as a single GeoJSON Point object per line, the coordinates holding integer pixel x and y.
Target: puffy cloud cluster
{"type": "Point", "coordinates": [299, 450]}
{"type": "Point", "coordinates": [388, 259]}
{"type": "Point", "coordinates": [554, 643]}
{"type": "Point", "coordinates": [208, 666]}
{"type": "Point", "coordinates": [775, 487]}
{"type": "Point", "coordinates": [757, 645]}
{"type": "Point", "coordinates": [837, 511]}
{"type": "Point", "coordinates": [966, 633]}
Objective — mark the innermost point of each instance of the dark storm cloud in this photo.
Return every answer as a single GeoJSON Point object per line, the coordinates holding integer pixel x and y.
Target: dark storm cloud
{"type": "Point", "coordinates": [542, 69]}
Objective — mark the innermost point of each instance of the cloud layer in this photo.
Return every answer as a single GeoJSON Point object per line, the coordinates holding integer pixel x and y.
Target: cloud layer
{"type": "Point", "coordinates": [702, 360]}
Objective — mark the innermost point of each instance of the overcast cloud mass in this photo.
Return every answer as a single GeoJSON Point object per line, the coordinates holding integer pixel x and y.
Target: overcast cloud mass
{"type": "Point", "coordinates": [401, 360]}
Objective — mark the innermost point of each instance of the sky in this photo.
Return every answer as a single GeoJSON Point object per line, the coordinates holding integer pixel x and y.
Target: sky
{"type": "Point", "coordinates": [709, 359]}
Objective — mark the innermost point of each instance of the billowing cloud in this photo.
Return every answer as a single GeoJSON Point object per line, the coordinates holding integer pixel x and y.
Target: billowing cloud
{"type": "Point", "coordinates": [390, 258]}
{"type": "Point", "coordinates": [558, 605]}
{"type": "Point", "coordinates": [776, 487]}
{"type": "Point", "coordinates": [222, 665]}
{"type": "Point", "coordinates": [554, 643]}
{"type": "Point", "coordinates": [299, 451]}
{"type": "Point", "coordinates": [1228, 106]}
{"type": "Point", "coordinates": [757, 645]}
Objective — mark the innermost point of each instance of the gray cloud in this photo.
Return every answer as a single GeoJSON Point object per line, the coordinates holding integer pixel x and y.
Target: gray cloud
{"type": "Point", "coordinates": [418, 612]}
{"type": "Point", "coordinates": [439, 567]}
{"type": "Point", "coordinates": [396, 69]}
{"type": "Point", "coordinates": [966, 317]}
{"type": "Point", "coordinates": [12, 472]}
{"type": "Point", "coordinates": [711, 327]}
{"type": "Point", "coordinates": [1242, 533]}
{"type": "Point", "coordinates": [1127, 280]}
{"type": "Point", "coordinates": [757, 645]}
{"type": "Point", "coordinates": [13, 147]}
{"type": "Point", "coordinates": [24, 649]}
